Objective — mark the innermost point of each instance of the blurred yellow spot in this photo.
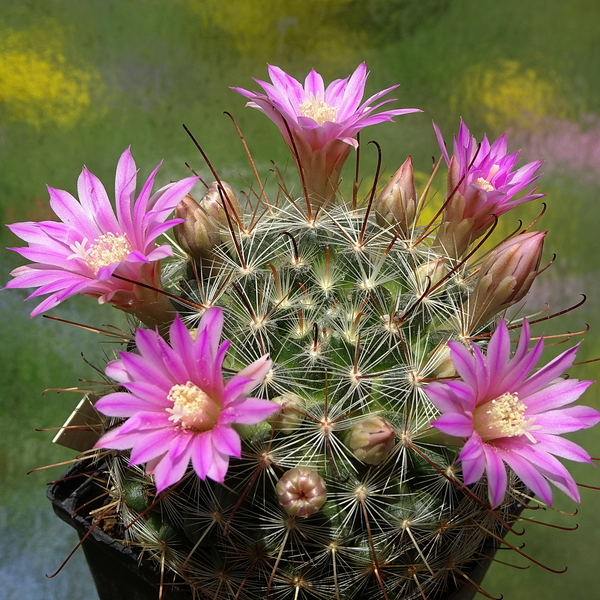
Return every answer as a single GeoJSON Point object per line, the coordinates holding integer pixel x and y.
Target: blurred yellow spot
{"type": "Point", "coordinates": [507, 95]}
{"type": "Point", "coordinates": [37, 84]}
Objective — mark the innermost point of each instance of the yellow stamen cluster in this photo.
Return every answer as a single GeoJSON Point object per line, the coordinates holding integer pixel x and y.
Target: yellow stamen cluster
{"type": "Point", "coordinates": [105, 250]}
{"type": "Point", "coordinates": [502, 417]}
{"type": "Point", "coordinates": [484, 184]}
{"type": "Point", "coordinates": [316, 109]}
{"type": "Point", "coordinates": [192, 407]}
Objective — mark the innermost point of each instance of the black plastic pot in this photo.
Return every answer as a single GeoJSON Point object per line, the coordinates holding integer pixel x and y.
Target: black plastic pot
{"type": "Point", "coordinates": [118, 572]}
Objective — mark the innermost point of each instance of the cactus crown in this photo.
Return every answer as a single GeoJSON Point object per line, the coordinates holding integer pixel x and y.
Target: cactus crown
{"type": "Point", "coordinates": [348, 312]}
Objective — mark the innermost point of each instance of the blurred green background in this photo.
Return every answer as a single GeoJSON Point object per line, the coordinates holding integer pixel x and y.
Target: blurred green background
{"type": "Point", "coordinates": [80, 80]}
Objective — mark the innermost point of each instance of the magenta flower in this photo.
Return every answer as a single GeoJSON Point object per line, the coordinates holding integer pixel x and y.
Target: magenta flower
{"type": "Point", "coordinates": [323, 121]}
{"type": "Point", "coordinates": [482, 183]}
{"type": "Point", "coordinates": [178, 407]}
{"type": "Point", "coordinates": [321, 114]}
{"type": "Point", "coordinates": [81, 254]}
{"type": "Point", "coordinates": [510, 417]}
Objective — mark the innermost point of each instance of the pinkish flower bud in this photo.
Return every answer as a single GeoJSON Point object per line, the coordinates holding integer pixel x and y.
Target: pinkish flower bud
{"type": "Point", "coordinates": [213, 200]}
{"type": "Point", "coordinates": [372, 440]}
{"type": "Point", "coordinates": [301, 492]}
{"type": "Point", "coordinates": [291, 414]}
{"type": "Point", "coordinates": [397, 203]}
{"type": "Point", "coordinates": [199, 234]}
{"type": "Point", "coordinates": [505, 277]}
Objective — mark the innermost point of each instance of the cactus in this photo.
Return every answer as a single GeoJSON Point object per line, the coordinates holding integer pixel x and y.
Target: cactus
{"type": "Point", "coordinates": [343, 488]}
{"type": "Point", "coordinates": [339, 307]}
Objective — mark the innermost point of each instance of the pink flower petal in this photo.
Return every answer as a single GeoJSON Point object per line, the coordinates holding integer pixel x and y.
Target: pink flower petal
{"type": "Point", "coordinates": [518, 369]}
{"type": "Point", "coordinates": [170, 470]}
{"type": "Point", "coordinates": [530, 475]}
{"type": "Point", "coordinates": [125, 183]}
{"type": "Point", "coordinates": [71, 212]}
{"type": "Point", "coordinates": [247, 379]}
{"type": "Point", "coordinates": [248, 411]}
{"type": "Point", "coordinates": [218, 467]}
{"type": "Point", "coordinates": [498, 353]}
{"type": "Point", "coordinates": [550, 468]}
{"type": "Point", "coordinates": [313, 84]}
{"type": "Point", "coordinates": [116, 440]}
{"type": "Point", "coordinates": [565, 420]}
{"type": "Point", "coordinates": [202, 453]}
{"type": "Point", "coordinates": [496, 476]}
{"type": "Point", "coordinates": [152, 445]}
{"type": "Point", "coordinates": [464, 363]}
{"type": "Point", "coordinates": [95, 202]}
{"type": "Point", "coordinates": [116, 370]}
{"type": "Point", "coordinates": [454, 424]}
{"type": "Point", "coordinates": [548, 373]}
{"type": "Point", "coordinates": [227, 441]}
{"type": "Point", "coordinates": [562, 447]}
{"type": "Point", "coordinates": [472, 458]}
{"type": "Point", "coordinates": [443, 398]}
{"type": "Point", "coordinates": [556, 395]}
{"type": "Point", "coordinates": [182, 344]}
{"type": "Point", "coordinates": [121, 404]}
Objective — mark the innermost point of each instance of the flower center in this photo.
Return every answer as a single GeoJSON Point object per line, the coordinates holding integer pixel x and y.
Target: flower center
{"type": "Point", "coordinates": [484, 184]}
{"type": "Point", "coordinates": [106, 250]}
{"type": "Point", "coordinates": [193, 408]}
{"type": "Point", "coordinates": [314, 108]}
{"type": "Point", "coordinates": [503, 417]}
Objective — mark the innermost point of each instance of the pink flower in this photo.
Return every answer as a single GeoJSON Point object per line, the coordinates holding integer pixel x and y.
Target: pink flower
{"type": "Point", "coordinates": [323, 121]}
{"type": "Point", "coordinates": [81, 254]}
{"type": "Point", "coordinates": [508, 417]}
{"type": "Point", "coordinates": [178, 406]}
{"type": "Point", "coordinates": [483, 183]}
{"type": "Point", "coordinates": [321, 114]}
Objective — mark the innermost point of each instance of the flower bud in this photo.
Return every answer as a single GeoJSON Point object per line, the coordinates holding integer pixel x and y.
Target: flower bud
{"type": "Point", "coordinates": [301, 492]}
{"type": "Point", "coordinates": [213, 200]}
{"type": "Point", "coordinates": [505, 277]}
{"type": "Point", "coordinates": [198, 235]}
{"type": "Point", "coordinates": [430, 274]}
{"type": "Point", "coordinates": [397, 203]}
{"type": "Point", "coordinates": [444, 367]}
{"type": "Point", "coordinates": [290, 415]}
{"type": "Point", "coordinates": [372, 440]}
